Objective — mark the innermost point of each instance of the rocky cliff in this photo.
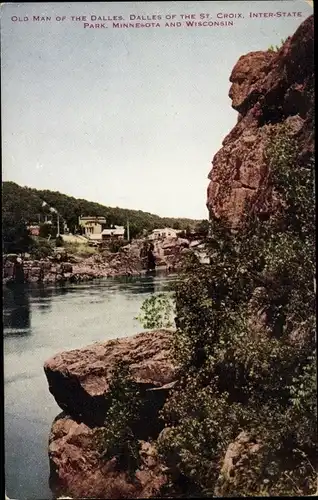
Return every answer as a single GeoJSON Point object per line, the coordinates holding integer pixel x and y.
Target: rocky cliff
{"type": "Point", "coordinates": [267, 88]}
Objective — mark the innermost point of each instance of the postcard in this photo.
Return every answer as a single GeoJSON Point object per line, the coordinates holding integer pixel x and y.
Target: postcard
{"type": "Point", "coordinates": [158, 249]}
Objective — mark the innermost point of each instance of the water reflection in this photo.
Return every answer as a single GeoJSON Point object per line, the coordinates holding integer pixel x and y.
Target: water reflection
{"type": "Point", "coordinates": [153, 282]}
{"type": "Point", "coordinates": [42, 297]}
{"type": "Point", "coordinates": [17, 317]}
{"type": "Point", "coordinates": [20, 300]}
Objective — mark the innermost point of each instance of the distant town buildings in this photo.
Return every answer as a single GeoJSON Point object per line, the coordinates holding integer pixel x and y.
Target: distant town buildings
{"type": "Point", "coordinates": [95, 229]}
{"type": "Point", "coordinates": [92, 226]}
{"type": "Point", "coordinates": [117, 232]}
{"type": "Point", "coordinates": [166, 232]}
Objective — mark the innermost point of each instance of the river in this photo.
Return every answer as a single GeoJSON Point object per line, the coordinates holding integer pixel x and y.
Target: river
{"type": "Point", "coordinates": [40, 321]}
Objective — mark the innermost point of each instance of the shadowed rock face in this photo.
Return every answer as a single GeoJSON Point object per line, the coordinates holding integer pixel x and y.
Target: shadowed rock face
{"type": "Point", "coordinates": [79, 379]}
{"type": "Point", "coordinates": [267, 88]}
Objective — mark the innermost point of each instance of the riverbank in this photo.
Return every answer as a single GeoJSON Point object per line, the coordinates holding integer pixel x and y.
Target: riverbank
{"type": "Point", "coordinates": [73, 268]}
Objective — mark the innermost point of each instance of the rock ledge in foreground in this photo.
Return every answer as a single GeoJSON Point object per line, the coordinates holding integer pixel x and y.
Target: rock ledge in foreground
{"type": "Point", "coordinates": [79, 379]}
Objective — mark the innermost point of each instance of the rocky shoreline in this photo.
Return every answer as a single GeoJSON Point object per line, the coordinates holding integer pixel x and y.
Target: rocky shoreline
{"type": "Point", "coordinates": [61, 269]}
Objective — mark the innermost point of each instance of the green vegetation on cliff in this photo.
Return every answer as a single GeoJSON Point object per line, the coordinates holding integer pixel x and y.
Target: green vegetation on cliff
{"type": "Point", "coordinates": [117, 438]}
{"type": "Point", "coordinates": [157, 311]}
{"type": "Point", "coordinates": [242, 420]}
{"type": "Point", "coordinates": [245, 344]}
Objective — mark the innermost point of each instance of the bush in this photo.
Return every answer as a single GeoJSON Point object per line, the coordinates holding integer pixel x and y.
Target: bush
{"type": "Point", "coordinates": [276, 48]}
{"type": "Point", "coordinates": [244, 343]}
{"type": "Point", "coordinates": [16, 237]}
{"type": "Point", "coordinates": [47, 230]}
{"type": "Point", "coordinates": [117, 438]}
{"type": "Point", "coordinates": [157, 311]}
{"type": "Point", "coordinates": [41, 248]}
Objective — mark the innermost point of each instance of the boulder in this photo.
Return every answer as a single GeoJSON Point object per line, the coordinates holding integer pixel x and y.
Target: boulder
{"type": "Point", "coordinates": [78, 471]}
{"type": "Point", "coordinates": [67, 267]}
{"type": "Point", "coordinates": [174, 243]}
{"type": "Point", "coordinates": [79, 379]}
{"type": "Point", "coordinates": [236, 463]}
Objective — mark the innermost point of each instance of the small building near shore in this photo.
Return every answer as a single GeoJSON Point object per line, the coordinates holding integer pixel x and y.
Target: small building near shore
{"type": "Point", "coordinates": [117, 233]}
{"type": "Point", "coordinates": [166, 232]}
{"type": "Point", "coordinates": [92, 225]}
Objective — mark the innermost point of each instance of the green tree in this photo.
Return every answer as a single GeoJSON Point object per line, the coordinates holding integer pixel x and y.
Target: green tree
{"type": "Point", "coordinates": [15, 234]}
{"type": "Point", "coordinates": [47, 230]}
{"type": "Point", "coordinates": [41, 248]}
{"type": "Point", "coordinates": [202, 229]}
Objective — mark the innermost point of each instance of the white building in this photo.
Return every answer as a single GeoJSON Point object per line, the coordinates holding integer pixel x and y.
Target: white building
{"type": "Point", "coordinates": [166, 232]}
{"type": "Point", "coordinates": [92, 226]}
{"type": "Point", "coordinates": [116, 232]}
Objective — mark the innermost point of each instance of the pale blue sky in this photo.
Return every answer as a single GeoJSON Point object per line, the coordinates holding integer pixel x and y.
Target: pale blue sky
{"type": "Point", "coordinates": [125, 117]}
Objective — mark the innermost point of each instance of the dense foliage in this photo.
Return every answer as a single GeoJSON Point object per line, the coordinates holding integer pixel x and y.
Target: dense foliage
{"type": "Point", "coordinates": [26, 204]}
{"type": "Point", "coordinates": [117, 439]}
{"type": "Point", "coordinates": [157, 311]}
{"type": "Point", "coordinates": [245, 344]}
{"type": "Point", "coordinates": [40, 248]}
{"type": "Point", "coordinates": [15, 234]}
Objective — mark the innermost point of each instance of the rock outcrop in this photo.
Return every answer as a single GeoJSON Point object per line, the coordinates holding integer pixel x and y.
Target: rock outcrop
{"type": "Point", "coordinates": [79, 379]}
{"type": "Point", "coordinates": [267, 88]}
{"type": "Point", "coordinates": [235, 463]}
{"type": "Point", "coordinates": [78, 470]}
{"type": "Point", "coordinates": [167, 252]}
{"type": "Point", "coordinates": [104, 264]}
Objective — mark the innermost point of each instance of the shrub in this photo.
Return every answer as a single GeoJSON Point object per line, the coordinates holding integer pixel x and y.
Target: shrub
{"type": "Point", "coordinates": [16, 237]}
{"type": "Point", "coordinates": [47, 230]}
{"type": "Point", "coordinates": [41, 248]}
{"type": "Point", "coordinates": [157, 311]}
{"type": "Point", "coordinates": [276, 48]}
{"type": "Point", "coordinates": [117, 438]}
{"type": "Point", "coordinates": [236, 375]}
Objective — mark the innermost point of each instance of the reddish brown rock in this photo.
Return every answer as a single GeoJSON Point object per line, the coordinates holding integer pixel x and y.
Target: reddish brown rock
{"type": "Point", "coordinates": [236, 463]}
{"type": "Point", "coordinates": [79, 379]}
{"type": "Point", "coordinates": [78, 471]}
{"type": "Point", "coordinates": [268, 88]}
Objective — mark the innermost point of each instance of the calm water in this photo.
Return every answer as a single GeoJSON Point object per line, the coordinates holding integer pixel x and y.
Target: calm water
{"type": "Point", "coordinates": [38, 323]}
